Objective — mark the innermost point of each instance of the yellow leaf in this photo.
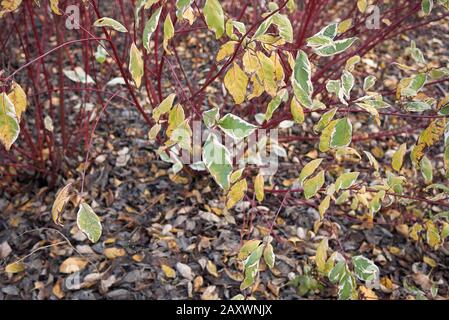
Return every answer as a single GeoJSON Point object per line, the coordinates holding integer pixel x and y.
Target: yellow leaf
{"type": "Point", "coordinates": [54, 7]}
{"type": "Point", "coordinates": [9, 5]}
{"type": "Point", "coordinates": [414, 231]}
{"type": "Point", "coordinates": [236, 193]}
{"type": "Point", "coordinates": [398, 157]}
{"type": "Point", "coordinates": [164, 107]}
{"type": "Point", "coordinates": [62, 197]}
{"type": "Point", "coordinates": [362, 5]}
{"type": "Point", "coordinates": [344, 26]}
{"type": "Point", "coordinates": [427, 138]}
{"type": "Point", "coordinates": [136, 65]}
{"type": "Point", "coordinates": [259, 187]}
{"type": "Point", "coordinates": [15, 267]}
{"type": "Point", "coordinates": [175, 118]}
{"type": "Point", "coordinates": [169, 32]}
{"type": "Point", "coordinates": [168, 271]}
{"type": "Point", "coordinates": [257, 88]}
{"type": "Point", "coordinates": [278, 68]}
{"type": "Point", "coordinates": [297, 111]}
{"type": "Point", "coordinates": [18, 98]}
{"type": "Point", "coordinates": [309, 169]}
{"type": "Point", "coordinates": [324, 205]}
{"type": "Point", "coordinates": [250, 62]}
{"type": "Point", "coordinates": [267, 74]}
{"type": "Point", "coordinates": [433, 235]}
{"type": "Point", "coordinates": [430, 261]}
{"type": "Point", "coordinates": [321, 255]}
{"type": "Point", "coordinates": [236, 82]}
{"type": "Point", "coordinates": [368, 294]}
{"type": "Point", "coordinates": [226, 50]}
{"type": "Point", "coordinates": [212, 268]}
{"type": "Point", "coordinates": [72, 264]}
{"type": "Point", "coordinates": [112, 253]}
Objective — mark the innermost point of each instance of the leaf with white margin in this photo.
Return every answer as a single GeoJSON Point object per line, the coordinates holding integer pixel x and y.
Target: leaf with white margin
{"type": "Point", "coordinates": [335, 48]}
{"type": "Point", "coordinates": [365, 269]}
{"type": "Point", "coordinates": [313, 185]}
{"type": "Point", "coordinates": [346, 180]}
{"type": "Point", "coordinates": [213, 13]}
{"type": "Point", "coordinates": [236, 127]}
{"type": "Point", "coordinates": [78, 75]}
{"type": "Point", "coordinates": [116, 81]}
{"type": "Point", "coordinates": [347, 83]}
{"type": "Point", "coordinates": [88, 222]}
{"type": "Point", "coordinates": [301, 80]}
{"type": "Point", "coordinates": [9, 124]}
{"type": "Point", "coordinates": [341, 134]}
{"type": "Point", "coordinates": [150, 27]}
{"type": "Point", "coordinates": [308, 170]}
{"type": "Point", "coordinates": [210, 117]}
{"type": "Point", "coordinates": [109, 22]}
{"type": "Point", "coordinates": [218, 161]}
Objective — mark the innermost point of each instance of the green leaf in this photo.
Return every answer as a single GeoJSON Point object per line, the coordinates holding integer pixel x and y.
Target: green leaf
{"type": "Point", "coordinates": [284, 26]}
{"type": "Point", "coordinates": [218, 161]}
{"type": "Point", "coordinates": [136, 64]}
{"type": "Point", "coordinates": [336, 47]}
{"type": "Point", "coordinates": [109, 22]}
{"type": "Point", "coordinates": [398, 157]}
{"type": "Point", "coordinates": [210, 117]}
{"type": "Point", "coordinates": [427, 170]}
{"type": "Point", "coordinates": [365, 269]}
{"type": "Point", "coordinates": [275, 103]}
{"type": "Point", "coordinates": [369, 82]}
{"type": "Point", "coordinates": [254, 257]}
{"type": "Point", "coordinates": [248, 248]}
{"type": "Point", "coordinates": [347, 81]}
{"type": "Point", "coordinates": [325, 119]}
{"type": "Point", "coordinates": [329, 31]}
{"type": "Point", "coordinates": [346, 180]}
{"type": "Point", "coordinates": [313, 185]}
{"type": "Point", "coordinates": [427, 6]}
{"type": "Point", "coordinates": [263, 27]}
{"type": "Point", "coordinates": [150, 27]}
{"type": "Point", "coordinates": [318, 41]}
{"type": "Point", "coordinates": [213, 12]}
{"type": "Point", "coordinates": [417, 106]}
{"type": "Point", "coordinates": [302, 83]}
{"type": "Point", "coordinates": [416, 84]}
{"type": "Point", "coordinates": [236, 127]}
{"type": "Point", "coordinates": [169, 32]}
{"type": "Point", "coordinates": [88, 222]}
{"type": "Point", "coordinates": [308, 170]}
{"type": "Point", "coordinates": [342, 134]}
{"type": "Point", "coordinates": [100, 54]}
{"type": "Point", "coordinates": [346, 283]}
{"type": "Point", "coordinates": [9, 124]}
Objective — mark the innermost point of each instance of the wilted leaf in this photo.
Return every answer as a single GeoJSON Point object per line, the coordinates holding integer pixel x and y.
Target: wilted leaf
{"type": "Point", "coordinates": [62, 197]}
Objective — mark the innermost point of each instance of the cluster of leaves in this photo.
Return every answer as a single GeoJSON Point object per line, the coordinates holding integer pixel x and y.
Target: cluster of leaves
{"type": "Point", "coordinates": [255, 62]}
